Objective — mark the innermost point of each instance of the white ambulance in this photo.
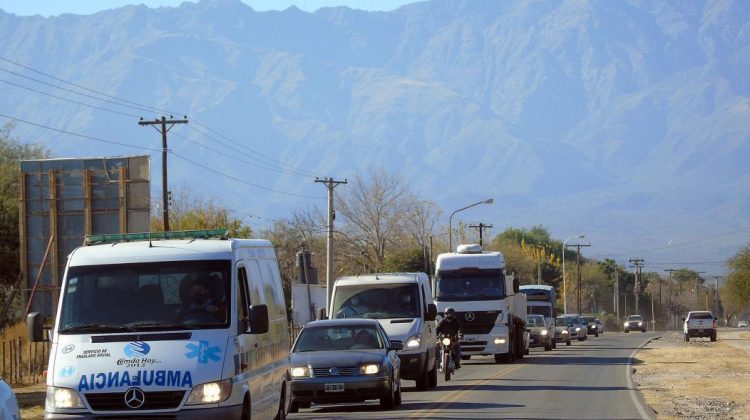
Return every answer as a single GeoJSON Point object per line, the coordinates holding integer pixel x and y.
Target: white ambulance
{"type": "Point", "coordinates": [173, 325]}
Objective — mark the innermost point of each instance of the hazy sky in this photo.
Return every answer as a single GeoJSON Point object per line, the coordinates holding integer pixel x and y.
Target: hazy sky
{"type": "Point", "coordinates": [85, 7]}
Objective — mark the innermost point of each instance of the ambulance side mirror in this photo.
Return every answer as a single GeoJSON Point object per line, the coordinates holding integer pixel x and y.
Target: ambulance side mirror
{"type": "Point", "coordinates": [431, 312]}
{"type": "Point", "coordinates": [34, 323]}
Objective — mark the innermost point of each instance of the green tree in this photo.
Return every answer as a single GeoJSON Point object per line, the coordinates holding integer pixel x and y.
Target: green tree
{"type": "Point", "coordinates": [190, 213]}
{"type": "Point", "coordinates": [12, 151]}
{"type": "Point", "coordinates": [408, 260]}
{"type": "Point", "coordinates": [735, 295]}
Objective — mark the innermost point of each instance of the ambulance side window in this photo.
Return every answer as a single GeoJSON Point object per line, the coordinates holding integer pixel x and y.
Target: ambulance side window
{"type": "Point", "coordinates": [243, 299]}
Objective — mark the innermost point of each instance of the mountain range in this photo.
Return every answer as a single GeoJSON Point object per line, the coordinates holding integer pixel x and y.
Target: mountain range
{"type": "Point", "coordinates": [626, 120]}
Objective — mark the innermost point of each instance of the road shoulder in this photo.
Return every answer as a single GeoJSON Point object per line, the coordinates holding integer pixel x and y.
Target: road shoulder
{"type": "Point", "coordinates": [699, 379]}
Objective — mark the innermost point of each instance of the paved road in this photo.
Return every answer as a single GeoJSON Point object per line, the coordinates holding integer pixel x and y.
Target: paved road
{"type": "Point", "coordinates": [587, 380]}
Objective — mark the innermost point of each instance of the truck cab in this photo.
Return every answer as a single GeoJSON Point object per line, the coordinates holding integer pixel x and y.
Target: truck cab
{"type": "Point", "coordinates": [488, 304]}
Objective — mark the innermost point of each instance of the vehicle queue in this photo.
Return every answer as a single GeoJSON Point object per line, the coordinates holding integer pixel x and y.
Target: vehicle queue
{"type": "Point", "coordinates": [194, 324]}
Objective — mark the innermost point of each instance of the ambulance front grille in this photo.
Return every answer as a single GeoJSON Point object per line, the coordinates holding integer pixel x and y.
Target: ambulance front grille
{"type": "Point", "coordinates": [115, 401]}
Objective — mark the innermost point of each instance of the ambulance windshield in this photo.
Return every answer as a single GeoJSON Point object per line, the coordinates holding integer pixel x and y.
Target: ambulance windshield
{"type": "Point", "coordinates": [146, 297]}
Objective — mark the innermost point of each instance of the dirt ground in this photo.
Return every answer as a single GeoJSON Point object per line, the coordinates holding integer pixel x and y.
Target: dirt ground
{"type": "Point", "coordinates": [31, 401]}
{"type": "Point", "coordinates": [696, 380]}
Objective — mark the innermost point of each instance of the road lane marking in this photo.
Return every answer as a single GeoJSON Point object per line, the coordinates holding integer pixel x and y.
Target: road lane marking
{"type": "Point", "coordinates": [628, 376]}
{"type": "Point", "coordinates": [453, 396]}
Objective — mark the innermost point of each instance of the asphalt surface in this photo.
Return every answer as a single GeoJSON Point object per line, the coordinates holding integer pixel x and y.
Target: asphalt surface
{"type": "Point", "coordinates": [588, 380]}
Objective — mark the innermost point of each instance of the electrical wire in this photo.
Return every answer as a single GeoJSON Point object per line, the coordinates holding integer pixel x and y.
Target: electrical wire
{"type": "Point", "coordinates": [70, 133]}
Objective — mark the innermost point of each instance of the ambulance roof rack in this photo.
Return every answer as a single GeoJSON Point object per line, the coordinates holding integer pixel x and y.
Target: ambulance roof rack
{"type": "Point", "coordinates": [112, 238]}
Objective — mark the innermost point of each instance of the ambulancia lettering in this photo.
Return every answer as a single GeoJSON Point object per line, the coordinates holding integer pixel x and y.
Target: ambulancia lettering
{"type": "Point", "coordinates": [102, 380]}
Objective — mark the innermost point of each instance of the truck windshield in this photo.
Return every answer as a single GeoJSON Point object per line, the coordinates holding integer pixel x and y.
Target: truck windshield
{"type": "Point", "coordinates": [379, 301]}
{"type": "Point", "coordinates": [460, 285]}
{"type": "Point", "coordinates": [146, 297]}
{"type": "Point", "coordinates": [545, 311]}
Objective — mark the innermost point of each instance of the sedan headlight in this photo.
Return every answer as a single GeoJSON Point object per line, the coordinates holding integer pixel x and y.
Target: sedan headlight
{"type": "Point", "coordinates": [543, 332]}
{"type": "Point", "coordinates": [62, 398]}
{"type": "Point", "coordinates": [565, 332]}
{"type": "Point", "coordinates": [210, 392]}
{"type": "Point", "coordinates": [413, 342]}
{"type": "Point", "coordinates": [640, 324]}
{"type": "Point", "coordinates": [578, 328]}
{"type": "Point", "coordinates": [369, 369]}
{"type": "Point", "coordinates": [300, 372]}
{"type": "Point", "coordinates": [625, 325]}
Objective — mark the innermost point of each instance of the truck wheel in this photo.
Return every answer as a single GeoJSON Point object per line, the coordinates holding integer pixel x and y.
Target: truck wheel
{"type": "Point", "coordinates": [687, 338]}
{"type": "Point", "coordinates": [713, 337]}
{"type": "Point", "coordinates": [596, 334]}
{"type": "Point", "coordinates": [567, 342]}
{"type": "Point", "coordinates": [501, 358]}
{"type": "Point", "coordinates": [294, 407]}
{"type": "Point", "coordinates": [547, 347]}
{"type": "Point", "coordinates": [465, 357]}
{"type": "Point", "coordinates": [627, 331]}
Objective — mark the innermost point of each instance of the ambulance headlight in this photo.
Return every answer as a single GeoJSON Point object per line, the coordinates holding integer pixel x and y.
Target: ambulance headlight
{"type": "Point", "coordinates": [543, 332]}
{"type": "Point", "coordinates": [62, 398]}
{"type": "Point", "coordinates": [210, 392]}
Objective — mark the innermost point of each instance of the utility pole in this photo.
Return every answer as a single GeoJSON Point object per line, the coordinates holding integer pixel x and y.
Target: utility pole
{"type": "Point", "coordinates": [637, 288]}
{"type": "Point", "coordinates": [164, 190]}
{"type": "Point", "coordinates": [669, 297]}
{"type": "Point", "coordinates": [716, 296]}
{"type": "Point", "coordinates": [481, 226]}
{"type": "Point", "coordinates": [617, 294]}
{"type": "Point", "coordinates": [578, 263]}
{"type": "Point", "coordinates": [330, 184]}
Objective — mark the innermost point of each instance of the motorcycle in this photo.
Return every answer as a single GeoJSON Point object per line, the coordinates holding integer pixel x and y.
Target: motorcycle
{"type": "Point", "coordinates": [447, 366]}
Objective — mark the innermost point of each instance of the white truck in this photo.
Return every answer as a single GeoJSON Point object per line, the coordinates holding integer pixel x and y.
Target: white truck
{"type": "Point", "coordinates": [541, 299]}
{"type": "Point", "coordinates": [487, 302]}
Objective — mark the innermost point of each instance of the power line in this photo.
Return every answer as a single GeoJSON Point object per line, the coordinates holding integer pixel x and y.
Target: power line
{"type": "Point", "coordinates": [69, 100]}
{"type": "Point", "coordinates": [77, 134]}
{"type": "Point", "coordinates": [208, 168]}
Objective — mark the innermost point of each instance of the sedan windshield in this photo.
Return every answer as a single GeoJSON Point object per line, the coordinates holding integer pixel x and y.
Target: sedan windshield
{"type": "Point", "coordinates": [146, 297]}
{"type": "Point", "coordinates": [338, 338]}
{"type": "Point", "coordinates": [535, 321]}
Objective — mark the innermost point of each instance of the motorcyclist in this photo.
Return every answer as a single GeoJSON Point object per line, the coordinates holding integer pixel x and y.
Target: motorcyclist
{"type": "Point", "coordinates": [450, 326]}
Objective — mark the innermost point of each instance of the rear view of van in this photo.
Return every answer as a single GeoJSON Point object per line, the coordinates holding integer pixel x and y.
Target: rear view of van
{"type": "Point", "coordinates": [402, 303]}
{"type": "Point", "coordinates": [172, 325]}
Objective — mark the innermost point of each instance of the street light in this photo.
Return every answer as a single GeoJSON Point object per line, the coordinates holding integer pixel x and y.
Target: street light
{"type": "Point", "coordinates": [565, 293]}
{"type": "Point", "coordinates": [450, 220]}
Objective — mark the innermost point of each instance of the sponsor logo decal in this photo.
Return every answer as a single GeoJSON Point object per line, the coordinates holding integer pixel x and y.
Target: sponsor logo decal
{"type": "Point", "coordinates": [203, 352]}
{"type": "Point", "coordinates": [67, 349]}
{"type": "Point", "coordinates": [94, 353]}
{"type": "Point", "coordinates": [67, 371]}
{"type": "Point", "coordinates": [137, 349]}
{"type": "Point", "coordinates": [104, 380]}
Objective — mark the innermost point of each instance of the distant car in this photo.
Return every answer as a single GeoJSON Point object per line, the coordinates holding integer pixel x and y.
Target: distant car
{"type": "Point", "coordinates": [539, 334]}
{"type": "Point", "coordinates": [8, 403]}
{"type": "Point", "coordinates": [562, 331]}
{"type": "Point", "coordinates": [635, 322]}
{"type": "Point", "coordinates": [591, 327]}
{"type": "Point", "coordinates": [699, 324]}
{"type": "Point", "coordinates": [577, 328]}
{"type": "Point", "coordinates": [345, 360]}
{"type": "Point", "coordinates": [742, 324]}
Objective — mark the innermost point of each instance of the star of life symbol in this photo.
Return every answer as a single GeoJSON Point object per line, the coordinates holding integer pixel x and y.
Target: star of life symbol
{"type": "Point", "coordinates": [203, 352]}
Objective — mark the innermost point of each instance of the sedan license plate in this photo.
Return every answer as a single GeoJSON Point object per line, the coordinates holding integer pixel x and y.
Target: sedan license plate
{"type": "Point", "coordinates": [335, 387]}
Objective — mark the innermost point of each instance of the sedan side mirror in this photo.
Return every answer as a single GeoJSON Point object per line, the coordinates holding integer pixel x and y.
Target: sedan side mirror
{"type": "Point", "coordinates": [683, 319]}
{"type": "Point", "coordinates": [395, 346]}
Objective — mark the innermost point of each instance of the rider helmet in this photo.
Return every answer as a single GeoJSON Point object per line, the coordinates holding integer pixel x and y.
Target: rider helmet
{"type": "Point", "coordinates": [449, 313]}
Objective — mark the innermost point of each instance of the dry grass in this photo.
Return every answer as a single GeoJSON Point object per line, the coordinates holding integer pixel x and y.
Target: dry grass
{"type": "Point", "coordinates": [745, 335]}
{"type": "Point", "coordinates": [694, 380]}
{"type": "Point", "coordinates": [10, 336]}
{"type": "Point", "coordinates": [31, 401]}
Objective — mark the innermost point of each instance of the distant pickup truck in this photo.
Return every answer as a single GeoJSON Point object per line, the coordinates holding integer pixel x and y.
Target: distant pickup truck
{"type": "Point", "coordinates": [699, 324]}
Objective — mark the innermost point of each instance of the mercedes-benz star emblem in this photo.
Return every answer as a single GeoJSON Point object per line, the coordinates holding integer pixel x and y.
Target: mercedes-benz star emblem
{"type": "Point", "coordinates": [134, 398]}
{"type": "Point", "coordinates": [333, 371]}
{"type": "Point", "coordinates": [470, 316]}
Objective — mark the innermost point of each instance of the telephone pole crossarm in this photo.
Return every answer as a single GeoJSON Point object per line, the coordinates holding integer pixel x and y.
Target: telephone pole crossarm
{"type": "Point", "coordinates": [481, 227]}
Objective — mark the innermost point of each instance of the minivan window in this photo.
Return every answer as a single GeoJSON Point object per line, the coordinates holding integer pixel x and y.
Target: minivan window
{"type": "Point", "coordinates": [380, 301]}
{"type": "Point", "coordinates": [146, 296]}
